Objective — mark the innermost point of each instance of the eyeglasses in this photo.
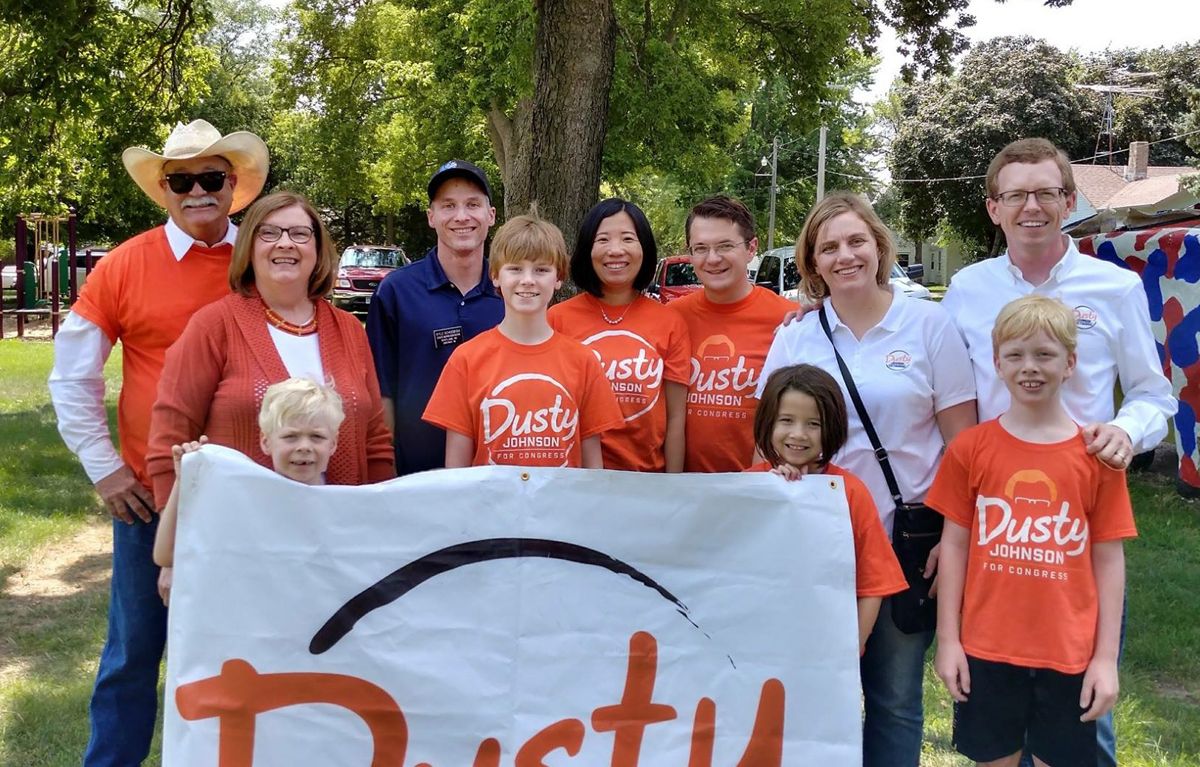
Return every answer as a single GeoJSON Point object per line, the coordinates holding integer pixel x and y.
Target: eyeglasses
{"type": "Point", "coordinates": [210, 181]}
{"type": "Point", "coordinates": [272, 233]}
{"type": "Point", "coordinates": [1017, 198]}
{"type": "Point", "coordinates": [721, 249]}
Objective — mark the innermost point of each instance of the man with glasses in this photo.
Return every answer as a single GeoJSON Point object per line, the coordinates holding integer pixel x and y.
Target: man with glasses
{"type": "Point", "coordinates": [731, 323]}
{"type": "Point", "coordinates": [142, 294]}
{"type": "Point", "coordinates": [1030, 191]}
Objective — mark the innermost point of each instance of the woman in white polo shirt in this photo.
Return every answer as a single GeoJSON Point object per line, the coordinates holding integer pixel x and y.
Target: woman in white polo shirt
{"type": "Point", "coordinates": [913, 374]}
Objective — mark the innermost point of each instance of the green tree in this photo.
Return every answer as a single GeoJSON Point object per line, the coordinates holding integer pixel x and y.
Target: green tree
{"type": "Point", "coordinates": [952, 126]}
{"type": "Point", "coordinates": [79, 82]}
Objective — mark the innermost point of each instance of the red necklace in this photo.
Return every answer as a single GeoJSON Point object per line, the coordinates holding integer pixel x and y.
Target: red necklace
{"type": "Point", "coordinates": [291, 328]}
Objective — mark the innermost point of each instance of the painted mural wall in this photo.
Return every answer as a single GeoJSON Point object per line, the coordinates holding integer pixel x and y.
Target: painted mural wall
{"type": "Point", "coordinates": [1168, 260]}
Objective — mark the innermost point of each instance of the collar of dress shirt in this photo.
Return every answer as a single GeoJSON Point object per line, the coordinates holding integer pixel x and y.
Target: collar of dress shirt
{"type": "Point", "coordinates": [181, 242]}
{"type": "Point", "coordinates": [1057, 272]}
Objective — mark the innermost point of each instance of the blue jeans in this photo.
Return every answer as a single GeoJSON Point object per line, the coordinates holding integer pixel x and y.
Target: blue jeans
{"type": "Point", "coordinates": [125, 699]}
{"type": "Point", "coordinates": [1106, 735]}
{"type": "Point", "coordinates": [893, 669]}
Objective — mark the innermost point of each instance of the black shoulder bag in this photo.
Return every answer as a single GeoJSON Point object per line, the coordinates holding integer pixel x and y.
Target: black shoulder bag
{"type": "Point", "coordinates": [916, 528]}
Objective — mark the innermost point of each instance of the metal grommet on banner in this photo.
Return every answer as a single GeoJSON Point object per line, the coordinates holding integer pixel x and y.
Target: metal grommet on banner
{"type": "Point", "coordinates": [832, 485]}
{"type": "Point", "coordinates": [524, 476]}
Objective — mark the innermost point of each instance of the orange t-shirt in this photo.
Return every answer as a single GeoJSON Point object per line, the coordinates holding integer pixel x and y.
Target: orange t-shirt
{"type": "Point", "coordinates": [142, 296]}
{"type": "Point", "coordinates": [1033, 511]}
{"type": "Point", "coordinates": [648, 347]}
{"type": "Point", "coordinates": [877, 572]}
{"type": "Point", "coordinates": [524, 405]}
{"type": "Point", "coordinates": [729, 346]}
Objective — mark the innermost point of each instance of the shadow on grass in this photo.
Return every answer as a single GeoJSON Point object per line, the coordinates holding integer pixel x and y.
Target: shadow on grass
{"type": "Point", "coordinates": [39, 475]}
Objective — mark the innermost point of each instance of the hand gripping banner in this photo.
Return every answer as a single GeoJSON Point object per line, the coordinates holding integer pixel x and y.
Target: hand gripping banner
{"type": "Point", "coordinates": [505, 616]}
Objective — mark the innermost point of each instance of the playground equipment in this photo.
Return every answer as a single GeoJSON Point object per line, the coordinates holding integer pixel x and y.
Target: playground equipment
{"type": "Point", "coordinates": [47, 268]}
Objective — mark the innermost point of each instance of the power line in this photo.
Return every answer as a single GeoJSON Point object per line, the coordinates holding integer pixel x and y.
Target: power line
{"type": "Point", "coordinates": [974, 178]}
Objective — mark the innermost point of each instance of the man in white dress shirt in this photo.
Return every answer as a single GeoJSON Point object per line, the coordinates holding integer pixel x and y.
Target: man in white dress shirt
{"type": "Point", "coordinates": [1030, 191]}
{"type": "Point", "coordinates": [142, 294]}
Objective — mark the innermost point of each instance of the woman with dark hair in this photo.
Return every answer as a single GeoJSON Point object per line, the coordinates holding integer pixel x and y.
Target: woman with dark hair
{"type": "Point", "coordinates": [642, 346]}
{"type": "Point", "coordinates": [275, 325]}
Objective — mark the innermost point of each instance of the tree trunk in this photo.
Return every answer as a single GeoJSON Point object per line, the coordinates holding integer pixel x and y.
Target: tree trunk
{"type": "Point", "coordinates": [557, 144]}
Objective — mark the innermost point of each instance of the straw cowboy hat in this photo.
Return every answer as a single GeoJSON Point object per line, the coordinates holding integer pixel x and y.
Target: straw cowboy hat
{"type": "Point", "coordinates": [245, 152]}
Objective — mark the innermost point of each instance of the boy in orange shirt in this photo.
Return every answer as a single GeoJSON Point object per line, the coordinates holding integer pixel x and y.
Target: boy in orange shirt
{"type": "Point", "coordinates": [522, 394]}
{"type": "Point", "coordinates": [1032, 568]}
{"type": "Point", "coordinates": [731, 324]}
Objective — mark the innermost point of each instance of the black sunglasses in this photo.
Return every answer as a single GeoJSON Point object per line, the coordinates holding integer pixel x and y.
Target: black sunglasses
{"type": "Point", "coordinates": [210, 181]}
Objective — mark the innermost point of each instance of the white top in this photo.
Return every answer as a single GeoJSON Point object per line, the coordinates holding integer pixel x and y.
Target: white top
{"type": "Point", "coordinates": [77, 378]}
{"type": "Point", "coordinates": [301, 355]}
{"type": "Point", "coordinates": [908, 368]}
{"type": "Point", "coordinates": [1115, 340]}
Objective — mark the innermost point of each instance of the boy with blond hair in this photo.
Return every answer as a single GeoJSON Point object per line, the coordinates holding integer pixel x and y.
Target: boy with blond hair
{"type": "Point", "coordinates": [1032, 567]}
{"type": "Point", "coordinates": [522, 394]}
{"type": "Point", "coordinates": [299, 420]}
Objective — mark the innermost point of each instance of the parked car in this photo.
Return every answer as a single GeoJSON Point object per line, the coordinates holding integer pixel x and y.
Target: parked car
{"type": "Point", "coordinates": [776, 271]}
{"type": "Point", "coordinates": [360, 270]}
{"type": "Point", "coordinates": [674, 278]}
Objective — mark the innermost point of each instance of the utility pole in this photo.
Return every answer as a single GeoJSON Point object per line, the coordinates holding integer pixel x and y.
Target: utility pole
{"type": "Point", "coordinates": [774, 186]}
{"type": "Point", "coordinates": [821, 164]}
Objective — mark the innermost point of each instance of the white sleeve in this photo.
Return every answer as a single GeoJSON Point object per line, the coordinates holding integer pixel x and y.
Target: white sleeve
{"type": "Point", "coordinates": [953, 376]}
{"type": "Point", "coordinates": [77, 390]}
{"type": "Point", "coordinates": [778, 356]}
{"type": "Point", "coordinates": [1148, 397]}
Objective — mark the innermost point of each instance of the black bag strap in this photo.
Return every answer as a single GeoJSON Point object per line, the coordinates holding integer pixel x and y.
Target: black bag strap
{"type": "Point", "coordinates": [881, 454]}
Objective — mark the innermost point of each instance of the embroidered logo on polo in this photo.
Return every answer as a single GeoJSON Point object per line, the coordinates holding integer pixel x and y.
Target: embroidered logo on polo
{"type": "Point", "coordinates": [722, 379]}
{"type": "Point", "coordinates": [1085, 317]}
{"type": "Point", "coordinates": [634, 368]}
{"type": "Point", "coordinates": [898, 360]}
{"type": "Point", "coordinates": [529, 416]}
{"type": "Point", "coordinates": [1029, 532]}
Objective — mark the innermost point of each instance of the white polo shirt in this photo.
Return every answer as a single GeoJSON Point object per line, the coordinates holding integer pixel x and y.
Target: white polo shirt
{"type": "Point", "coordinates": [1115, 340]}
{"type": "Point", "coordinates": [909, 367]}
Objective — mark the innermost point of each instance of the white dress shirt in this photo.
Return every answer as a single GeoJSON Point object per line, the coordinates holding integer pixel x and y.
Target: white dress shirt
{"type": "Point", "coordinates": [77, 378]}
{"type": "Point", "coordinates": [907, 369]}
{"type": "Point", "coordinates": [1115, 340]}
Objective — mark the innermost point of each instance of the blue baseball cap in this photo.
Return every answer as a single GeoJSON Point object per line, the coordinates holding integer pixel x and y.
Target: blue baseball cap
{"type": "Point", "coordinates": [459, 169]}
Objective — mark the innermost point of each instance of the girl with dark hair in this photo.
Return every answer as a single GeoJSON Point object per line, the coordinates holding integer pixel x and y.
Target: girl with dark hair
{"type": "Point", "coordinates": [799, 425]}
{"type": "Point", "coordinates": [642, 346]}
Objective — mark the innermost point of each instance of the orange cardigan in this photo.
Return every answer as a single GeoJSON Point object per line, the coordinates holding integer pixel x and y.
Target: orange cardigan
{"type": "Point", "coordinates": [215, 376]}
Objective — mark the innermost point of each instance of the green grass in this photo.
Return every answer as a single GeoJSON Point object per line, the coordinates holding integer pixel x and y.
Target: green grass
{"type": "Point", "coordinates": [49, 645]}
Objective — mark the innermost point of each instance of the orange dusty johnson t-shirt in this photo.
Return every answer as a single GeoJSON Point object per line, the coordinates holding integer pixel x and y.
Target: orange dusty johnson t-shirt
{"type": "Point", "coordinates": [1034, 512]}
{"type": "Point", "coordinates": [524, 405]}
{"type": "Point", "coordinates": [729, 345]}
{"type": "Point", "coordinates": [877, 573]}
{"type": "Point", "coordinates": [644, 350]}
{"type": "Point", "coordinates": [142, 296]}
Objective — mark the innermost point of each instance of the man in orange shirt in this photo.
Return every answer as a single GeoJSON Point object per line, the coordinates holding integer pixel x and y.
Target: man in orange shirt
{"type": "Point", "coordinates": [731, 324]}
{"type": "Point", "coordinates": [142, 294]}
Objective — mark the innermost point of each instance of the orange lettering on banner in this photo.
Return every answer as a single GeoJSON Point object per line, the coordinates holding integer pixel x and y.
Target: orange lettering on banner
{"type": "Point", "coordinates": [566, 734]}
{"type": "Point", "coordinates": [628, 719]}
{"type": "Point", "coordinates": [704, 733]}
{"type": "Point", "coordinates": [765, 748]}
{"type": "Point", "coordinates": [488, 754]}
{"type": "Point", "coordinates": [239, 694]}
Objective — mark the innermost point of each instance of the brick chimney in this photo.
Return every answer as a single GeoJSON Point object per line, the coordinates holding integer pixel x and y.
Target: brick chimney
{"type": "Point", "coordinates": [1139, 158]}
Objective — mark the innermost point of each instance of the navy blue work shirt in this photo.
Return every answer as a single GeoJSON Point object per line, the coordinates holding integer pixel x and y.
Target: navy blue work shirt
{"type": "Point", "coordinates": [417, 319]}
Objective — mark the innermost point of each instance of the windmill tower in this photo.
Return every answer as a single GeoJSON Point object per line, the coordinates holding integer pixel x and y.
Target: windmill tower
{"type": "Point", "coordinates": [1124, 82]}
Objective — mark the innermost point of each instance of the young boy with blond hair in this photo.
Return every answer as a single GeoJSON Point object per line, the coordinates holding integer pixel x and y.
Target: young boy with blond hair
{"type": "Point", "coordinates": [1032, 568]}
{"type": "Point", "coordinates": [522, 394]}
{"type": "Point", "coordinates": [298, 420]}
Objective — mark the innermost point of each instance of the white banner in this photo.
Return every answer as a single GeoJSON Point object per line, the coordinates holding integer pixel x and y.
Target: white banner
{"type": "Point", "coordinates": [501, 616]}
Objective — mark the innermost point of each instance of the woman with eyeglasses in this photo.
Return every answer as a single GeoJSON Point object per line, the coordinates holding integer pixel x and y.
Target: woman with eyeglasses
{"type": "Point", "coordinates": [911, 370]}
{"type": "Point", "coordinates": [277, 324]}
{"type": "Point", "coordinates": [642, 345]}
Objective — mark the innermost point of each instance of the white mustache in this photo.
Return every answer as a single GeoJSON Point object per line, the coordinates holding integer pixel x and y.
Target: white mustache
{"type": "Point", "coordinates": [196, 202]}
